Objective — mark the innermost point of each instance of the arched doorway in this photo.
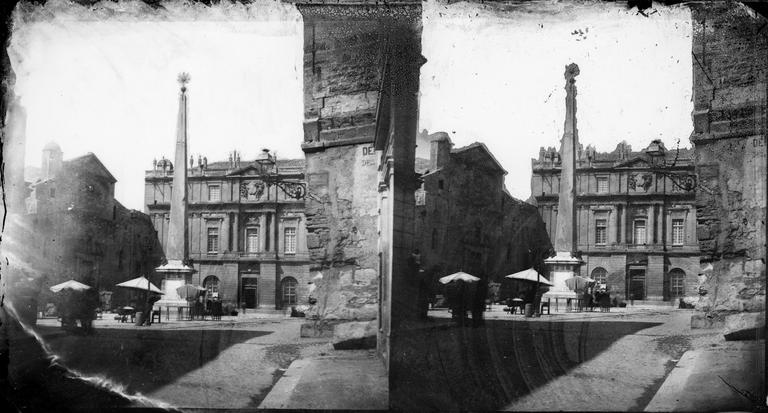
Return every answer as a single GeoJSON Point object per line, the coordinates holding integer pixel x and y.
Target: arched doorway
{"type": "Point", "coordinates": [289, 291]}
{"type": "Point", "coordinates": [676, 284]}
{"type": "Point", "coordinates": [211, 285]}
{"type": "Point", "coordinates": [600, 275]}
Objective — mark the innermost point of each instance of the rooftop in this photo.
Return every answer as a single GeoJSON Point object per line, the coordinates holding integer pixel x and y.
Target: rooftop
{"type": "Point", "coordinates": [623, 155]}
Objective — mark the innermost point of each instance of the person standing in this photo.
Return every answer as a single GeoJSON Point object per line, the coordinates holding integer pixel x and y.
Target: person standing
{"type": "Point", "coordinates": [88, 305]}
{"type": "Point", "coordinates": [605, 301]}
{"type": "Point", "coordinates": [478, 302]}
{"type": "Point", "coordinates": [462, 301]}
{"type": "Point", "coordinates": [587, 297]}
{"type": "Point", "coordinates": [416, 274]}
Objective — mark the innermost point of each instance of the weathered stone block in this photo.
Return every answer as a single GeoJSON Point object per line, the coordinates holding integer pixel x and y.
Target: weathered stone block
{"type": "Point", "coordinates": [366, 277]}
{"type": "Point", "coordinates": [311, 130]}
{"type": "Point", "coordinates": [318, 328]}
{"type": "Point", "coordinates": [701, 321]}
{"type": "Point", "coordinates": [744, 326]}
{"type": "Point", "coordinates": [355, 335]}
{"type": "Point", "coordinates": [313, 240]}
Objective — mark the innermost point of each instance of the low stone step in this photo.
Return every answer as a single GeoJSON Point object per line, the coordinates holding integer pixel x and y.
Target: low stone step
{"type": "Point", "coordinates": [654, 303]}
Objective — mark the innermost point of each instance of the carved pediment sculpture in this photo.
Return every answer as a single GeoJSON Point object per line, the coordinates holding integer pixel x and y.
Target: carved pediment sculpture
{"type": "Point", "coordinates": [647, 182]}
{"type": "Point", "coordinates": [640, 181]}
{"type": "Point", "coordinates": [252, 190]}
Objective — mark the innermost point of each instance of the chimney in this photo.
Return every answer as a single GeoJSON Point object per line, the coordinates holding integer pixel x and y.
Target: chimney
{"type": "Point", "coordinates": [439, 150]}
{"type": "Point", "coordinates": [52, 159]}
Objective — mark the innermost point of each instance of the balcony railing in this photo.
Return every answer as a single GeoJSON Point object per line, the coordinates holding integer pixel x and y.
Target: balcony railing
{"type": "Point", "coordinates": [255, 256]}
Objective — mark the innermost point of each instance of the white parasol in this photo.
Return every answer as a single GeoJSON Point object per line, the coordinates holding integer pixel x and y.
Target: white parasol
{"type": "Point", "coordinates": [71, 285]}
{"type": "Point", "coordinates": [459, 276]}
{"type": "Point", "coordinates": [530, 275]}
{"type": "Point", "coordinates": [141, 283]}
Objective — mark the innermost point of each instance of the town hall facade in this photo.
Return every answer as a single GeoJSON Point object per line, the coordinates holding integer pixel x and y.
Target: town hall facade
{"type": "Point", "coordinates": [635, 218]}
{"type": "Point", "coordinates": [232, 213]}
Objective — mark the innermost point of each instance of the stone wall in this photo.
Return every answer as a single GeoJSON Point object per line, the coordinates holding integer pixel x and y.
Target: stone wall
{"type": "Point", "coordinates": [730, 57]}
{"type": "Point", "coordinates": [342, 235]}
{"type": "Point", "coordinates": [345, 49]}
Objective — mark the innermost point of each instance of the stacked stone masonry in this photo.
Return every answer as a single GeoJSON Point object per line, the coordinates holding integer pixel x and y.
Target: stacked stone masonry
{"type": "Point", "coordinates": [730, 57]}
{"type": "Point", "coordinates": [345, 51]}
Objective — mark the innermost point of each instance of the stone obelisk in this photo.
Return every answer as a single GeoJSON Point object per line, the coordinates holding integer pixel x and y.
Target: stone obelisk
{"type": "Point", "coordinates": [177, 270]}
{"type": "Point", "coordinates": [564, 264]}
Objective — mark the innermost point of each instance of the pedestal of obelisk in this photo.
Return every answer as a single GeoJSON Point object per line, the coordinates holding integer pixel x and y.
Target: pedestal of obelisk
{"type": "Point", "coordinates": [176, 271]}
{"type": "Point", "coordinates": [564, 264]}
{"type": "Point", "coordinates": [175, 274]}
{"type": "Point", "coordinates": [560, 268]}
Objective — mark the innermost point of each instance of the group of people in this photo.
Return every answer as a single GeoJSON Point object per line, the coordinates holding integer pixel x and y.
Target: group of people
{"type": "Point", "coordinates": [462, 297]}
{"type": "Point", "coordinates": [598, 297]}
{"type": "Point", "coordinates": [466, 297]}
{"type": "Point", "coordinates": [77, 306]}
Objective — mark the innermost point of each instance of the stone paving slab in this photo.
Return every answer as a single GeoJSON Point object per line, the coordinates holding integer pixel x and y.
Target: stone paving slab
{"type": "Point", "coordinates": [696, 383]}
{"type": "Point", "coordinates": [346, 380]}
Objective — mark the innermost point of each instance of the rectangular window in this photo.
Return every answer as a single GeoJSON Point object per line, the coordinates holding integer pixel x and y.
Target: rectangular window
{"type": "Point", "coordinates": [602, 184]}
{"type": "Point", "coordinates": [678, 232]}
{"type": "Point", "coordinates": [290, 240]}
{"type": "Point", "coordinates": [214, 193]}
{"type": "Point", "coordinates": [640, 232]}
{"type": "Point", "coordinates": [601, 232]}
{"type": "Point", "coordinates": [252, 239]}
{"type": "Point", "coordinates": [213, 240]}
{"type": "Point", "coordinates": [53, 192]}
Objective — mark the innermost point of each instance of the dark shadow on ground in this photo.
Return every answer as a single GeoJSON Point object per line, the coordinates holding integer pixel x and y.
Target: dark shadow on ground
{"type": "Point", "coordinates": [34, 385]}
{"type": "Point", "coordinates": [453, 368]}
{"type": "Point", "coordinates": [143, 360]}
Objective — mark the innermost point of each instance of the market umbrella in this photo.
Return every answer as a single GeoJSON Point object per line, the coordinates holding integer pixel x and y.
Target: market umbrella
{"type": "Point", "coordinates": [189, 291]}
{"type": "Point", "coordinates": [458, 276]}
{"type": "Point", "coordinates": [71, 285]}
{"type": "Point", "coordinates": [578, 283]}
{"type": "Point", "coordinates": [530, 275]}
{"type": "Point", "coordinates": [140, 283]}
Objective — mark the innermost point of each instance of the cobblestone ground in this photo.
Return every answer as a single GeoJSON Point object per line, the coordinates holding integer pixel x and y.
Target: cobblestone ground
{"type": "Point", "coordinates": [228, 364]}
{"type": "Point", "coordinates": [578, 362]}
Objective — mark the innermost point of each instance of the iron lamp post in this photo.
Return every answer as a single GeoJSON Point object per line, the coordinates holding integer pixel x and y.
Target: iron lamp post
{"type": "Point", "coordinates": [292, 189]}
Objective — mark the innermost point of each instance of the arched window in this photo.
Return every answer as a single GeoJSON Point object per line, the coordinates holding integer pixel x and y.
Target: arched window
{"type": "Point", "coordinates": [434, 238]}
{"type": "Point", "coordinates": [211, 285]}
{"type": "Point", "coordinates": [676, 283]}
{"type": "Point", "coordinates": [288, 286]}
{"type": "Point", "coordinates": [600, 275]}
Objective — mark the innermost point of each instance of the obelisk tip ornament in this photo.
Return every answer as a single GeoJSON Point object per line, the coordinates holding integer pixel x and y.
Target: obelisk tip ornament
{"type": "Point", "coordinates": [183, 79]}
{"type": "Point", "coordinates": [571, 71]}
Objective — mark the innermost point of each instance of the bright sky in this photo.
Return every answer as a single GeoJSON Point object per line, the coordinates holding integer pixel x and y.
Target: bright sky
{"type": "Point", "coordinates": [500, 80]}
{"type": "Point", "coordinates": [109, 87]}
